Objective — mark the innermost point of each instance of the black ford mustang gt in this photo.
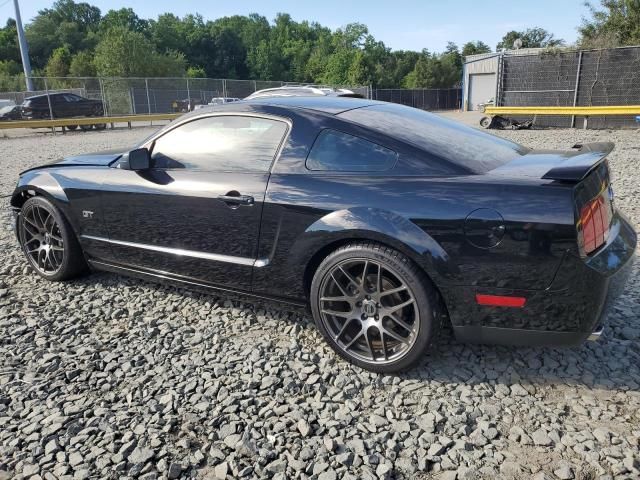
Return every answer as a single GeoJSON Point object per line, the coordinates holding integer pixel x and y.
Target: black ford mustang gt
{"type": "Point", "coordinates": [385, 219]}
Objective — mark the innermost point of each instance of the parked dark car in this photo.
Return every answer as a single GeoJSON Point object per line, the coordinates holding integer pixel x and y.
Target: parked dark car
{"type": "Point", "coordinates": [385, 219]}
{"type": "Point", "coordinates": [63, 105]}
{"type": "Point", "coordinates": [10, 112]}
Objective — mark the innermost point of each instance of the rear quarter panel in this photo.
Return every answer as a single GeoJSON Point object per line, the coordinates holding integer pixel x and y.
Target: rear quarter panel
{"type": "Point", "coordinates": [422, 217]}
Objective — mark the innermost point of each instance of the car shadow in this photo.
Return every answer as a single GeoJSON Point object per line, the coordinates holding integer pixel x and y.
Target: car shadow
{"type": "Point", "coordinates": [610, 363]}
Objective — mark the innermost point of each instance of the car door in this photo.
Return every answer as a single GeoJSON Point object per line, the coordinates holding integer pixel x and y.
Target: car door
{"type": "Point", "coordinates": [74, 106]}
{"type": "Point", "coordinates": [57, 105]}
{"type": "Point", "coordinates": [196, 213]}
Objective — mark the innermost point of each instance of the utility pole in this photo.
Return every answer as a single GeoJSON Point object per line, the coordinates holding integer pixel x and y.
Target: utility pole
{"type": "Point", "coordinates": [24, 49]}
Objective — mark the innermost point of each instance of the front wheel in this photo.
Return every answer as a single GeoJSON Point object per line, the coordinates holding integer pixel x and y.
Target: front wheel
{"type": "Point", "coordinates": [375, 307]}
{"type": "Point", "coordinates": [48, 241]}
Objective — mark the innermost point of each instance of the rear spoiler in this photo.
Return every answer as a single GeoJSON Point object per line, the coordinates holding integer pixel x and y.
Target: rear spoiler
{"type": "Point", "coordinates": [579, 164]}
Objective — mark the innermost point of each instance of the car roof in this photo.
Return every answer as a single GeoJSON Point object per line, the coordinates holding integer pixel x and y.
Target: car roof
{"type": "Point", "coordinates": [44, 95]}
{"type": "Point", "coordinates": [326, 104]}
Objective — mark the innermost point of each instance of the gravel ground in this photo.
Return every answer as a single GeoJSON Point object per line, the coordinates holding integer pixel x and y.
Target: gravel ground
{"type": "Point", "coordinates": [109, 377]}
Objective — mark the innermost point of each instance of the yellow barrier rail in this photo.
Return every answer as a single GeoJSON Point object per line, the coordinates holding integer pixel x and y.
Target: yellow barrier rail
{"type": "Point", "coordinates": [577, 111]}
{"type": "Point", "coordinates": [66, 122]}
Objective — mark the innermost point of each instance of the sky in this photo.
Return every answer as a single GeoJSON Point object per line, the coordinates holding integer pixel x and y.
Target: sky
{"type": "Point", "coordinates": [400, 24]}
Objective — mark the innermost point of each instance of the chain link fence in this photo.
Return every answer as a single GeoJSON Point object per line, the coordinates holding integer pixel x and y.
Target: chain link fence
{"type": "Point", "coordinates": [423, 98]}
{"type": "Point", "coordinates": [572, 78]}
{"type": "Point", "coordinates": [109, 96]}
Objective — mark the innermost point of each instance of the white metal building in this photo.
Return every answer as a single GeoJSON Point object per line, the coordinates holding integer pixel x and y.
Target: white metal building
{"type": "Point", "coordinates": [480, 76]}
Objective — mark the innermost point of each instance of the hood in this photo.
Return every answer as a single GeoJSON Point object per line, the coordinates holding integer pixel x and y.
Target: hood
{"type": "Point", "coordinates": [562, 165]}
{"type": "Point", "coordinates": [99, 159]}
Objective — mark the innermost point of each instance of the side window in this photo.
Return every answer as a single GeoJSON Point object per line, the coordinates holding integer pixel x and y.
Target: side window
{"type": "Point", "coordinates": [221, 143]}
{"type": "Point", "coordinates": [341, 152]}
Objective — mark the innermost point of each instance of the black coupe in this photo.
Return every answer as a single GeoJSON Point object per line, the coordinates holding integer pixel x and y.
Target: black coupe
{"type": "Point", "coordinates": [386, 220]}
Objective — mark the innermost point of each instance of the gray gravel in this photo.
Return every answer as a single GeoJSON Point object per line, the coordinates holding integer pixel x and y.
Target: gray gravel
{"type": "Point", "coordinates": [109, 377]}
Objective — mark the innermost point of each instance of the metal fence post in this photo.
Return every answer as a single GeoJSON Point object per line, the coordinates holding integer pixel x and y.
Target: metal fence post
{"type": "Point", "coordinates": [188, 95]}
{"type": "Point", "coordinates": [103, 96]}
{"type": "Point", "coordinates": [575, 92]}
{"type": "Point", "coordinates": [146, 86]}
{"type": "Point", "coordinates": [500, 73]}
{"type": "Point", "coordinates": [46, 89]}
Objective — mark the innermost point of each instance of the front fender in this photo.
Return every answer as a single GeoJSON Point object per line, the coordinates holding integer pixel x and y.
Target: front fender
{"type": "Point", "coordinates": [39, 182]}
{"type": "Point", "coordinates": [376, 225]}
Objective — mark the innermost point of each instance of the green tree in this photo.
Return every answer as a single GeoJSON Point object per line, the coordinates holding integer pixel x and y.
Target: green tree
{"type": "Point", "coordinates": [475, 48]}
{"type": "Point", "coordinates": [9, 49]}
{"type": "Point", "coordinates": [11, 76]}
{"type": "Point", "coordinates": [531, 38]}
{"type": "Point", "coordinates": [82, 65]}
{"type": "Point", "coordinates": [436, 71]}
{"type": "Point", "coordinates": [123, 53]}
{"type": "Point", "coordinates": [616, 24]}
{"type": "Point", "coordinates": [66, 24]}
{"type": "Point", "coordinates": [73, 38]}
{"type": "Point", "coordinates": [125, 18]}
{"type": "Point", "coordinates": [58, 64]}
{"type": "Point", "coordinates": [196, 72]}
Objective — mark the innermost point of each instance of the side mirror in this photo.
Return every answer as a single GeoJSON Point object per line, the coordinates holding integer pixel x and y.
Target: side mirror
{"type": "Point", "coordinates": [139, 159]}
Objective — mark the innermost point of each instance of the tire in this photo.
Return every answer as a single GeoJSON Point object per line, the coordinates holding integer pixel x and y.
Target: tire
{"type": "Point", "coordinates": [367, 324]}
{"type": "Point", "coordinates": [100, 126]}
{"type": "Point", "coordinates": [86, 128]}
{"type": "Point", "coordinates": [41, 224]}
{"type": "Point", "coordinates": [72, 127]}
{"type": "Point", "coordinates": [485, 122]}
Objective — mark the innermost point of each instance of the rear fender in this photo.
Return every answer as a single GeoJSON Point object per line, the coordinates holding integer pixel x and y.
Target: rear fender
{"type": "Point", "coordinates": [363, 223]}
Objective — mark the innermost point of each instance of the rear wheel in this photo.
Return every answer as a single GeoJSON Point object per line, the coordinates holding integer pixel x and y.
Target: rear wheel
{"type": "Point", "coordinates": [485, 122]}
{"type": "Point", "coordinates": [72, 127]}
{"type": "Point", "coordinates": [86, 128]}
{"type": "Point", "coordinates": [48, 241]}
{"type": "Point", "coordinates": [374, 307]}
{"type": "Point", "coordinates": [100, 126]}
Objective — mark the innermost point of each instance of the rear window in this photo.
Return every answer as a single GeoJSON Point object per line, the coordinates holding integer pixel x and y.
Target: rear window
{"type": "Point", "coordinates": [468, 147]}
{"type": "Point", "coordinates": [340, 152]}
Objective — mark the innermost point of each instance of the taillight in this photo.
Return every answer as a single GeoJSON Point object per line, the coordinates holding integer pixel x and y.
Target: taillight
{"type": "Point", "coordinates": [593, 225]}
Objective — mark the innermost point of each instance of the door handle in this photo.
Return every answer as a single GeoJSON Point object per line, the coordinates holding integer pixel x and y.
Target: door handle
{"type": "Point", "coordinates": [234, 199]}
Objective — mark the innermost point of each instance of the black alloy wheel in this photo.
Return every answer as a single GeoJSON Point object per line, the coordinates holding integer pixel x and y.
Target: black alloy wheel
{"type": "Point", "coordinates": [48, 241]}
{"type": "Point", "coordinates": [374, 307]}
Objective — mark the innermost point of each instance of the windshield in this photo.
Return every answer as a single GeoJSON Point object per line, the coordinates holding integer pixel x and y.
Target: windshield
{"type": "Point", "coordinates": [468, 147]}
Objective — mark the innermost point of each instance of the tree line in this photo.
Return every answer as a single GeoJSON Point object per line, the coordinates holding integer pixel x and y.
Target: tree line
{"type": "Point", "coordinates": [76, 39]}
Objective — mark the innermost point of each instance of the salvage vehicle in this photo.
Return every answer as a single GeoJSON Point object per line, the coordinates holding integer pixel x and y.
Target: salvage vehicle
{"type": "Point", "coordinates": [386, 220]}
{"type": "Point", "coordinates": [60, 105]}
{"type": "Point", "coordinates": [10, 112]}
